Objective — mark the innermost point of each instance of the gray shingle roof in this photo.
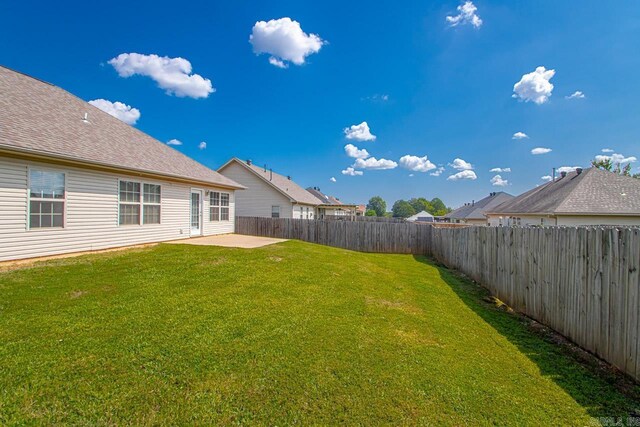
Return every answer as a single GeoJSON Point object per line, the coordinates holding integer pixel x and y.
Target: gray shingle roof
{"type": "Point", "coordinates": [279, 182]}
{"type": "Point", "coordinates": [40, 118]}
{"type": "Point", "coordinates": [325, 199]}
{"type": "Point", "coordinates": [593, 191]}
{"type": "Point", "coordinates": [476, 210]}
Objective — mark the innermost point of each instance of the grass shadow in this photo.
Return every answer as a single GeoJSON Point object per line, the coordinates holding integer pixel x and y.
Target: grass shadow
{"type": "Point", "coordinates": [605, 393]}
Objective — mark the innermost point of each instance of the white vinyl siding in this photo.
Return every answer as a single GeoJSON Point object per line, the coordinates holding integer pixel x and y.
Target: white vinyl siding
{"type": "Point", "coordinates": [92, 213]}
{"type": "Point", "coordinates": [304, 211]}
{"type": "Point", "coordinates": [258, 198]}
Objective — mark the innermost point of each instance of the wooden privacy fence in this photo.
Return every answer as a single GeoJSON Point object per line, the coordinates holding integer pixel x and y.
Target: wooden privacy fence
{"type": "Point", "coordinates": [364, 236]}
{"type": "Point", "coordinates": [582, 282]}
{"type": "Point", "coordinates": [363, 218]}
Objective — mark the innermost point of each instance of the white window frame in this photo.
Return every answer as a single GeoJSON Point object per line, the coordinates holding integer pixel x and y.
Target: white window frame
{"type": "Point", "coordinates": [279, 211]}
{"type": "Point", "coordinates": [218, 208]}
{"type": "Point", "coordinates": [64, 200]}
{"type": "Point", "coordinates": [140, 203]}
{"type": "Point", "coordinates": [159, 204]}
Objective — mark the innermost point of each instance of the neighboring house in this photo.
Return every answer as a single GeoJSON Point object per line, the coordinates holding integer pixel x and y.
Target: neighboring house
{"type": "Point", "coordinates": [360, 210]}
{"type": "Point", "coordinates": [267, 193]}
{"type": "Point", "coordinates": [332, 205]}
{"type": "Point", "coordinates": [474, 213]}
{"type": "Point", "coordinates": [73, 178]}
{"type": "Point", "coordinates": [584, 197]}
{"type": "Point", "coordinates": [423, 216]}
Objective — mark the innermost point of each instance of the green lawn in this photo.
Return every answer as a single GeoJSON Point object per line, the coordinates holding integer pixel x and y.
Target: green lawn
{"type": "Point", "coordinates": [292, 333]}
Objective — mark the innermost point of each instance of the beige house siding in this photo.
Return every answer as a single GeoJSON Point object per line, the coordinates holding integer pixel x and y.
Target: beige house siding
{"type": "Point", "coordinates": [91, 213]}
{"type": "Point", "coordinates": [259, 196]}
{"type": "Point", "coordinates": [598, 220]}
{"type": "Point", "coordinates": [564, 220]}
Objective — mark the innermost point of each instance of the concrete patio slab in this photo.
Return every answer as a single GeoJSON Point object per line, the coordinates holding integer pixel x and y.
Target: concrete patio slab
{"type": "Point", "coordinates": [230, 241]}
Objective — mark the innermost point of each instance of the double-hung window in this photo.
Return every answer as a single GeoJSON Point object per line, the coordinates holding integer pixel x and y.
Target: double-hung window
{"type": "Point", "coordinates": [129, 203]}
{"type": "Point", "coordinates": [224, 206]}
{"type": "Point", "coordinates": [151, 197]}
{"type": "Point", "coordinates": [218, 206]}
{"type": "Point", "coordinates": [47, 198]}
{"type": "Point", "coordinates": [139, 203]}
{"type": "Point", "coordinates": [275, 212]}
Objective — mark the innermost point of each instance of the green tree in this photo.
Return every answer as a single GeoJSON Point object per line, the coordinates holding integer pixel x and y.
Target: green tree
{"type": "Point", "coordinates": [378, 205]}
{"type": "Point", "coordinates": [402, 209]}
{"type": "Point", "coordinates": [438, 205]}
{"type": "Point", "coordinates": [439, 208]}
{"type": "Point", "coordinates": [370, 212]}
{"type": "Point", "coordinates": [421, 204]}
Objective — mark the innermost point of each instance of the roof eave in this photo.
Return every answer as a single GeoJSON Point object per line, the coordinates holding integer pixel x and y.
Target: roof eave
{"type": "Point", "coordinates": [73, 161]}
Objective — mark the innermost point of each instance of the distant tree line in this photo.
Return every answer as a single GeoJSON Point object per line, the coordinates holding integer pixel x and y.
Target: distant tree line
{"type": "Point", "coordinates": [406, 208]}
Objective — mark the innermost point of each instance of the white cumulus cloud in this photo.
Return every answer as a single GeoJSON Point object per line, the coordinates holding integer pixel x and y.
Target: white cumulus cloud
{"type": "Point", "coordinates": [332, 179]}
{"type": "Point", "coordinates": [535, 86]}
{"type": "Point", "coordinates": [461, 165]}
{"type": "Point", "coordinates": [359, 132]}
{"type": "Point", "coordinates": [119, 110]}
{"type": "Point", "coordinates": [355, 152]}
{"type": "Point", "coordinates": [466, 15]}
{"type": "Point", "coordinates": [464, 174]}
{"type": "Point", "coordinates": [497, 181]}
{"type": "Point", "coordinates": [174, 142]}
{"type": "Point", "coordinates": [202, 145]}
{"type": "Point", "coordinates": [519, 135]}
{"type": "Point", "coordinates": [171, 74]}
{"type": "Point", "coordinates": [607, 150]}
{"type": "Point", "coordinates": [576, 95]}
{"type": "Point", "coordinates": [540, 150]}
{"type": "Point", "coordinates": [375, 164]}
{"type": "Point", "coordinates": [416, 164]}
{"type": "Point", "coordinates": [284, 40]}
{"type": "Point", "coordinates": [351, 172]}
{"type": "Point", "coordinates": [437, 172]}
{"type": "Point", "coordinates": [616, 158]}
{"type": "Point", "coordinates": [500, 170]}
{"type": "Point", "coordinates": [547, 178]}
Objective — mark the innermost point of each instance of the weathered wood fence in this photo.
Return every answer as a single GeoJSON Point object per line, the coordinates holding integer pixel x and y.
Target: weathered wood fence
{"type": "Point", "coordinates": [582, 282]}
{"type": "Point", "coordinates": [364, 236]}
{"type": "Point", "coordinates": [363, 218]}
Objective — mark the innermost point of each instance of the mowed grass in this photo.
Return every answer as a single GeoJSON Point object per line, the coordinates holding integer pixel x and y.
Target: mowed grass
{"type": "Point", "coordinates": [292, 333]}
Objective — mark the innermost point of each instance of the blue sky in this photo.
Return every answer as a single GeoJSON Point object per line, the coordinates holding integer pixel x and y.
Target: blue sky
{"type": "Point", "coordinates": [425, 87]}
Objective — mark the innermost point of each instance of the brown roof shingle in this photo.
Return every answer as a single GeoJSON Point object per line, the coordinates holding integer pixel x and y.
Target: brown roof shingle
{"type": "Point", "coordinates": [40, 118]}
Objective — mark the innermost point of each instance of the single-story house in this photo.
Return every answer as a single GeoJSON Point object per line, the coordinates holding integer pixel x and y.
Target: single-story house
{"type": "Point", "coordinates": [73, 178]}
{"type": "Point", "coordinates": [267, 193]}
{"type": "Point", "coordinates": [583, 197]}
{"type": "Point", "coordinates": [423, 216]}
{"type": "Point", "coordinates": [474, 213]}
{"type": "Point", "coordinates": [332, 205]}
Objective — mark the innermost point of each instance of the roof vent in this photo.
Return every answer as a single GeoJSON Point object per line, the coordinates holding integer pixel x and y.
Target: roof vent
{"type": "Point", "coordinates": [249, 162]}
{"type": "Point", "coordinates": [289, 177]}
{"type": "Point", "coordinates": [85, 119]}
{"type": "Point", "coordinates": [563, 174]}
{"type": "Point", "coordinates": [578, 171]}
